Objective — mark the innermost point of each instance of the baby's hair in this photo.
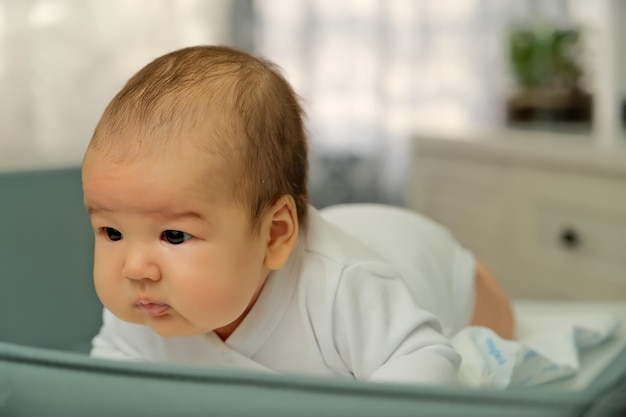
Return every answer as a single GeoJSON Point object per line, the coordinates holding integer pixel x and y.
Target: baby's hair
{"type": "Point", "coordinates": [242, 107]}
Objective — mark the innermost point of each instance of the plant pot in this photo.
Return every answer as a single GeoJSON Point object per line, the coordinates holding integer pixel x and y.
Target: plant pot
{"type": "Point", "coordinates": [549, 105]}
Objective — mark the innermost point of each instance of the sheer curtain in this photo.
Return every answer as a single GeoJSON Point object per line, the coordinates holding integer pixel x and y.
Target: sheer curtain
{"type": "Point", "coordinates": [61, 61]}
{"type": "Point", "coordinates": [372, 73]}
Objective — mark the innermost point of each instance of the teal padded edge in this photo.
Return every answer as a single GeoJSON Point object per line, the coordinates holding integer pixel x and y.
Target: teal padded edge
{"type": "Point", "coordinates": [614, 372]}
{"type": "Point", "coordinates": [47, 297]}
{"type": "Point", "coordinates": [608, 390]}
{"type": "Point", "coordinates": [36, 381]}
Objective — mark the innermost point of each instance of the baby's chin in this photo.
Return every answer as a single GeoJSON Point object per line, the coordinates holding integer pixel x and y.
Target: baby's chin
{"type": "Point", "coordinates": [170, 332]}
{"type": "Point", "coordinates": [168, 325]}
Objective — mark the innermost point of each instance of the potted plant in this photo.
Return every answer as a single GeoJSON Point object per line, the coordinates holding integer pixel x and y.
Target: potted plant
{"type": "Point", "coordinates": [545, 63]}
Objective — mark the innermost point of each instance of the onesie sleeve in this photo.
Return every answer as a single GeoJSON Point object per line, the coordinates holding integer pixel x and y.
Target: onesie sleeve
{"type": "Point", "coordinates": [109, 344]}
{"type": "Point", "coordinates": [381, 334]}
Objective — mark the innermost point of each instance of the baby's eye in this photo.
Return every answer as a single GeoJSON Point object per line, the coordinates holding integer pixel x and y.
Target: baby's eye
{"type": "Point", "coordinates": [113, 234]}
{"type": "Point", "coordinates": [175, 237]}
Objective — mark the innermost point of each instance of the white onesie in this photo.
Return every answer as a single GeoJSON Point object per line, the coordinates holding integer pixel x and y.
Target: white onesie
{"type": "Point", "coordinates": [338, 307]}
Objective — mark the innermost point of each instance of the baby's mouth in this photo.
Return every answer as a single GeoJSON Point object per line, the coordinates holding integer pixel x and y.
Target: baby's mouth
{"type": "Point", "coordinates": [152, 309]}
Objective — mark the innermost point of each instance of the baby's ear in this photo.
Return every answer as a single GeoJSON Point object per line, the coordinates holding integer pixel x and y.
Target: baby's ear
{"type": "Point", "coordinates": [282, 233]}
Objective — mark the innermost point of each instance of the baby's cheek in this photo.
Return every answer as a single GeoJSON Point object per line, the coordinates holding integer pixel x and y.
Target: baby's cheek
{"type": "Point", "coordinates": [202, 291]}
{"type": "Point", "coordinates": [107, 294]}
{"type": "Point", "coordinates": [210, 296]}
{"type": "Point", "coordinates": [106, 283]}
{"type": "Point", "coordinates": [103, 284]}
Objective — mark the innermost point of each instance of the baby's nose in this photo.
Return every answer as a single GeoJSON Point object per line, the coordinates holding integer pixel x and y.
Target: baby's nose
{"type": "Point", "coordinates": [141, 264]}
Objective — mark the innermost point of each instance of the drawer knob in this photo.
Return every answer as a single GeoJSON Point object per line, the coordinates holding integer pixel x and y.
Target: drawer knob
{"type": "Point", "coordinates": [570, 238]}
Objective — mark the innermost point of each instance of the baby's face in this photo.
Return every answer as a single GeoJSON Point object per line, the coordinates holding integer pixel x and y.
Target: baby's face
{"type": "Point", "coordinates": [171, 250]}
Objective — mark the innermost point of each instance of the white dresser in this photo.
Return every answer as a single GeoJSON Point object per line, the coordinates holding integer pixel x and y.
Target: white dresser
{"type": "Point", "coordinates": [546, 212]}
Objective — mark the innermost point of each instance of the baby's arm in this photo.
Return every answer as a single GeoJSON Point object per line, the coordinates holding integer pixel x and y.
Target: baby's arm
{"type": "Point", "coordinates": [381, 334]}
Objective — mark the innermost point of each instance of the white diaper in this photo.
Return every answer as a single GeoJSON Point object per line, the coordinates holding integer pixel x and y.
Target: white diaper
{"type": "Point", "coordinates": [549, 354]}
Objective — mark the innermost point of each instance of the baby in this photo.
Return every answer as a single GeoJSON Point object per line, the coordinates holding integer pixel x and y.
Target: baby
{"type": "Point", "coordinates": [207, 253]}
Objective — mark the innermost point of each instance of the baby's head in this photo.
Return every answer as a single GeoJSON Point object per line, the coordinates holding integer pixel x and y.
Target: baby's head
{"type": "Point", "coordinates": [195, 180]}
{"type": "Point", "coordinates": [216, 101]}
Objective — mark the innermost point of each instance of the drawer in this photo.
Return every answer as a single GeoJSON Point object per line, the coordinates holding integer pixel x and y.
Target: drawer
{"type": "Point", "coordinates": [570, 237]}
{"type": "Point", "coordinates": [550, 232]}
{"type": "Point", "coordinates": [581, 234]}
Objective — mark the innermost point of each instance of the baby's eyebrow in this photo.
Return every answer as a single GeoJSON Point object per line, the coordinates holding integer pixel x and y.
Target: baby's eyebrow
{"type": "Point", "coordinates": [96, 210]}
{"type": "Point", "coordinates": [178, 214]}
{"type": "Point", "coordinates": [169, 214]}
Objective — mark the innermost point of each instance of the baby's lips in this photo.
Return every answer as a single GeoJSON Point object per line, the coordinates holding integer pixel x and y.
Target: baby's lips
{"type": "Point", "coordinates": [153, 309]}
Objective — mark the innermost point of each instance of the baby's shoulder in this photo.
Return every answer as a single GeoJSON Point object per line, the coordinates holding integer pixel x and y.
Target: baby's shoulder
{"type": "Point", "coordinates": [327, 243]}
{"type": "Point", "coordinates": [331, 256]}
